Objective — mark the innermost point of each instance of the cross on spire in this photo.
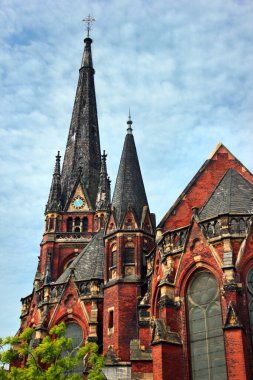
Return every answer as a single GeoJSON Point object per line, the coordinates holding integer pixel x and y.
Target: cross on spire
{"type": "Point", "coordinates": [88, 21]}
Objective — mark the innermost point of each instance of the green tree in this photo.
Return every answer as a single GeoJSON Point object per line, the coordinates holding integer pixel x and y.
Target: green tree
{"type": "Point", "coordinates": [53, 359]}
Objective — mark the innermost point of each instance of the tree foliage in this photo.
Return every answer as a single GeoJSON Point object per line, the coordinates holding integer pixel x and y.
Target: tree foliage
{"type": "Point", "coordinates": [52, 359]}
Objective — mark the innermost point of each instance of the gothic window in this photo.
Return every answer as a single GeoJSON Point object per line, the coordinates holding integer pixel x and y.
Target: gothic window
{"type": "Point", "coordinates": [102, 221]}
{"type": "Point", "coordinates": [110, 323]}
{"type": "Point", "coordinates": [176, 241]}
{"type": "Point", "coordinates": [210, 230]}
{"type": "Point", "coordinates": [77, 221]}
{"type": "Point", "coordinates": [58, 224]}
{"type": "Point", "coordinates": [206, 334]}
{"type": "Point", "coordinates": [51, 224]}
{"type": "Point", "coordinates": [250, 297]}
{"type": "Point", "coordinates": [129, 253]}
{"type": "Point", "coordinates": [77, 224]}
{"type": "Point", "coordinates": [217, 229]}
{"type": "Point", "coordinates": [242, 226]}
{"type": "Point", "coordinates": [114, 256]}
{"type": "Point", "coordinates": [233, 226]}
{"type": "Point", "coordinates": [144, 253]}
{"type": "Point", "coordinates": [95, 223]}
{"type": "Point", "coordinates": [85, 224]}
{"type": "Point", "coordinates": [69, 224]}
{"type": "Point", "coordinates": [75, 332]}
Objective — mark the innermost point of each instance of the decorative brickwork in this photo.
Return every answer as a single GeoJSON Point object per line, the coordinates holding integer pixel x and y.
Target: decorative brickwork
{"type": "Point", "coordinates": [157, 306]}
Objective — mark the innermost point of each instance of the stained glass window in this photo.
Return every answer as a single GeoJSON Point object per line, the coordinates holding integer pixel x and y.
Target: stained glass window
{"type": "Point", "coordinates": [250, 297]}
{"type": "Point", "coordinates": [206, 334]}
{"type": "Point", "coordinates": [75, 332]}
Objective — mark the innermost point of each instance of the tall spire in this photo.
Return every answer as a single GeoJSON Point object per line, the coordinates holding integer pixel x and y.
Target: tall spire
{"type": "Point", "coordinates": [103, 196]}
{"type": "Point", "coordinates": [129, 189]}
{"type": "Point", "coordinates": [54, 199]}
{"type": "Point", "coordinates": [83, 145]}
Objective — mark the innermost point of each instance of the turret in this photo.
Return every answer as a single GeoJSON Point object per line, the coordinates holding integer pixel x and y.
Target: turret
{"type": "Point", "coordinates": [128, 238]}
{"type": "Point", "coordinates": [54, 199]}
{"type": "Point", "coordinates": [103, 196]}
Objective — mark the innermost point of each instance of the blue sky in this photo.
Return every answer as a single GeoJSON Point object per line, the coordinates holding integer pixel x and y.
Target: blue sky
{"type": "Point", "coordinates": [184, 68]}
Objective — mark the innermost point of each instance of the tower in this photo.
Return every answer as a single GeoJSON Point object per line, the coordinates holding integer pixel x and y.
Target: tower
{"type": "Point", "coordinates": [178, 307]}
{"type": "Point", "coordinates": [129, 236]}
{"type": "Point", "coordinates": [69, 277]}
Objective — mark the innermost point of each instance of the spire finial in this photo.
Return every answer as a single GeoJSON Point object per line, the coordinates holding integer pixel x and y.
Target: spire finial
{"type": "Point", "coordinates": [129, 123]}
{"type": "Point", "coordinates": [88, 21]}
{"type": "Point", "coordinates": [58, 157]}
{"type": "Point", "coordinates": [104, 155]}
{"type": "Point", "coordinates": [57, 169]}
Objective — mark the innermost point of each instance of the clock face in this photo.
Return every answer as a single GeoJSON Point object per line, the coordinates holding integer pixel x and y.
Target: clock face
{"type": "Point", "coordinates": [78, 202]}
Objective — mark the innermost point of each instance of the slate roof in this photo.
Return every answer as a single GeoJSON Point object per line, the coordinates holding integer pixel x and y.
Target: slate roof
{"type": "Point", "coordinates": [129, 188]}
{"type": "Point", "coordinates": [89, 264]}
{"type": "Point", "coordinates": [83, 144]}
{"type": "Point", "coordinates": [233, 195]}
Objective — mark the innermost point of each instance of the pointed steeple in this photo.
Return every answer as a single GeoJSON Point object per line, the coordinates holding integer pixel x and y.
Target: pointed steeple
{"type": "Point", "coordinates": [129, 189]}
{"type": "Point", "coordinates": [54, 199]}
{"type": "Point", "coordinates": [103, 196]}
{"type": "Point", "coordinates": [83, 145]}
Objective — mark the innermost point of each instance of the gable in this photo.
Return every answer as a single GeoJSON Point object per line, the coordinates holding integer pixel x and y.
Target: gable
{"type": "Point", "coordinates": [201, 187]}
{"type": "Point", "coordinates": [78, 194]}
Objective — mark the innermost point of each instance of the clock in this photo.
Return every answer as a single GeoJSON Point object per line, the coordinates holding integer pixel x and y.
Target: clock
{"type": "Point", "coordinates": [78, 202]}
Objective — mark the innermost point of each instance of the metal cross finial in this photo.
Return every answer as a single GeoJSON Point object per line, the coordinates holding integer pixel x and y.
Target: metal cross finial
{"type": "Point", "coordinates": [88, 20]}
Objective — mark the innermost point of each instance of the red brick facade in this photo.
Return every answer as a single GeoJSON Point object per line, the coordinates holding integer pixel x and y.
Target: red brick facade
{"type": "Point", "coordinates": [166, 307]}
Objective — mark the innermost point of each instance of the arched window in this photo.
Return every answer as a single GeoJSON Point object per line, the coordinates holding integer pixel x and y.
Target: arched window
{"type": "Point", "coordinates": [233, 226]}
{"type": "Point", "coordinates": [206, 334]}
{"type": "Point", "coordinates": [129, 253]}
{"type": "Point", "coordinates": [210, 230]}
{"type": "Point", "coordinates": [85, 224]}
{"type": "Point", "coordinates": [77, 221]}
{"type": "Point", "coordinates": [250, 297]}
{"type": "Point", "coordinates": [217, 228]}
{"type": "Point", "coordinates": [69, 224]}
{"type": "Point", "coordinates": [51, 224]}
{"type": "Point", "coordinates": [114, 256]}
{"type": "Point", "coordinates": [242, 226]}
{"type": "Point", "coordinates": [102, 221]}
{"type": "Point", "coordinates": [75, 332]}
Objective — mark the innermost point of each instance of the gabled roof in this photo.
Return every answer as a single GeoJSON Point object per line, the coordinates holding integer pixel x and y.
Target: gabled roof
{"type": "Point", "coordinates": [129, 189]}
{"type": "Point", "coordinates": [89, 264]}
{"type": "Point", "coordinates": [219, 147]}
{"type": "Point", "coordinates": [233, 195]}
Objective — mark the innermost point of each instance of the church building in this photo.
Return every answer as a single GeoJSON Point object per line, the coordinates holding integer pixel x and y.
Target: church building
{"type": "Point", "coordinates": [172, 301]}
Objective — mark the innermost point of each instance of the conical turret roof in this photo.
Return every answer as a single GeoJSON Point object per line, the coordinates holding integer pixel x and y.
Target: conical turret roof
{"type": "Point", "coordinates": [103, 195]}
{"type": "Point", "coordinates": [129, 189]}
{"type": "Point", "coordinates": [54, 199]}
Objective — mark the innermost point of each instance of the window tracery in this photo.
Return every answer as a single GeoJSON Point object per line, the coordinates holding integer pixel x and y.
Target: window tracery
{"type": "Point", "coordinates": [250, 297]}
{"type": "Point", "coordinates": [206, 334]}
